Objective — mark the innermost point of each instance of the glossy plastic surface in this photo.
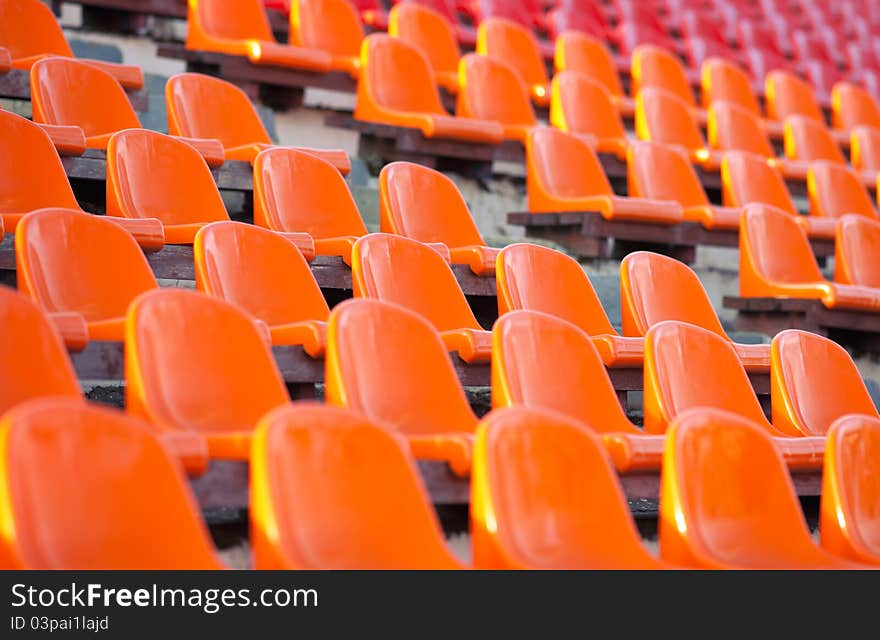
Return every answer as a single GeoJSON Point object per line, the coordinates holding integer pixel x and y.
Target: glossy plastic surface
{"type": "Point", "coordinates": [430, 31]}
{"type": "Point", "coordinates": [853, 106]}
{"type": "Point", "coordinates": [731, 127]}
{"type": "Point", "coordinates": [513, 43]}
{"type": "Point", "coordinates": [786, 95]}
{"type": "Point", "coordinates": [864, 149]}
{"type": "Point", "coordinates": [577, 51]}
{"type": "Point", "coordinates": [810, 140]}
{"type": "Point", "coordinates": [492, 90]}
{"type": "Point", "coordinates": [580, 105]}
{"type": "Point", "coordinates": [331, 490]}
{"type": "Point", "coordinates": [653, 66]}
{"type": "Point", "coordinates": [663, 117]}
{"type": "Point", "coordinates": [856, 247]}
{"type": "Point", "coordinates": [723, 80]}
{"type": "Point", "coordinates": [332, 26]}
{"type": "Point", "coordinates": [836, 190]}
{"type": "Point", "coordinates": [544, 496]}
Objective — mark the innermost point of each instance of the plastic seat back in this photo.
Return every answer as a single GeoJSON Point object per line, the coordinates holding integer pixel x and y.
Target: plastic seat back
{"type": "Point", "coordinates": [89, 487]}
{"type": "Point", "coordinates": [259, 271]}
{"type": "Point", "coordinates": [515, 44]}
{"type": "Point", "coordinates": [835, 190]}
{"type": "Point", "coordinates": [726, 496]}
{"type": "Point", "coordinates": [809, 140]}
{"type": "Point", "coordinates": [535, 278]}
{"type": "Point", "coordinates": [198, 363]}
{"type": "Point", "coordinates": [653, 66]}
{"type": "Point", "coordinates": [722, 80]}
{"type": "Point", "coordinates": [428, 30]}
{"type": "Point", "coordinates": [491, 89]}
{"type": "Point", "coordinates": [813, 383]}
{"type": "Point", "coordinates": [731, 127]}
{"type": "Point", "coordinates": [856, 246]}
{"type": "Point", "coordinates": [661, 116]}
{"type": "Point", "coordinates": [33, 360]}
{"type": "Point", "coordinates": [655, 288]}
{"type": "Point", "coordinates": [661, 172]}
{"type": "Point", "coordinates": [687, 366]}
{"type": "Point", "coordinates": [71, 261]}
{"type": "Point", "coordinates": [316, 473]}
{"type": "Point", "coordinates": [24, 147]}
{"type": "Point", "coordinates": [333, 26]}
{"type": "Point", "coordinates": [201, 106]}
{"type": "Point", "coordinates": [746, 178]}
{"type": "Point", "coordinates": [787, 95]}
{"type": "Point", "coordinates": [413, 275]}
{"type": "Point", "coordinates": [545, 496]}
{"type": "Point", "coordinates": [295, 191]}
{"type": "Point", "coordinates": [28, 29]}
{"type": "Point", "coordinates": [853, 106]}
{"type": "Point", "coordinates": [546, 363]}
{"type": "Point", "coordinates": [849, 517]}
{"type": "Point", "coordinates": [864, 150]}
{"type": "Point", "coordinates": [389, 364]}
{"type": "Point", "coordinates": [69, 92]}
{"type": "Point", "coordinates": [144, 170]}
{"type": "Point", "coordinates": [425, 205]}
{"type": "Point", "coordinates": [397, 75]}
{"type": "Point", "coordinates": [576, 51]}
{"type": "Point", "coordinates": [236, 20]}
{"type": "Point", "coordinates": [581, 105]}
{"type": "Point", "coordinates": [773, 248]}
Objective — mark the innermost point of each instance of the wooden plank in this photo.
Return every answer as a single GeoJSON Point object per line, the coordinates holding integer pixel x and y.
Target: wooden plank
{"type": "Point", "coordinates": [15, 85]}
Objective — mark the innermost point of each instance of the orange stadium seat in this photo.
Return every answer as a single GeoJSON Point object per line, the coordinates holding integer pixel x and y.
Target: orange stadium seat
{"type": "Point", "coordinates": [389, 364]}
{"type": "Point", "coordinates": [78, 264]}
{"type": "Point", "coordinates": [775, 260]}
{"type": "Point", "coordinates": [836, 189]}
{"type": "Point", "coordinates": [727, 502]}
{"type": "Point", "coordinates": [492, 90]}
{"type": "Point", "coordinates": [297, 192]}
{"type": "Point", "coordinates": [653, 66]}
{"type": "Point", "coordinates": [582, 106]}
{"type": "Point", "coordinates": [425, 205]}
{"type": "Point", "coordinates": [564, 174]}
{"type": "Point", "coordinates": [813, 383]}
{"type": "Point", "coordinates": [194, 363]}
{"type": "Point", "coordinates": [545, 363]}
{"type": "Point", "coordinates": [787, 95]}
{"type": "Point", "coordinates": [663, 117]}
{"type": "Point", "coordinates": [660, 172]}
{"type": "Point", "coordinates": [316, 473]}
{"type": "Point", "coordinates": [677, 355]}
{"type": "Point", "coordinates": [332, 26]}
{"type": "Point", "coordinates": [201, 106]}
{"type": "Point", "coordinates": [748, 179]}
{"type": "Point", "coordinates": [33, 360]}
{"type": "Point", "coordinates": [864, 150]}
{"type": "Point", "coordinates": [723, 80]}
{"type": "Point", "coordinates": [241, 28]}
{"type": "Point", "coordinates": [68, 92]}
{"type": "Point", "coordinates": [265, 274]}
{"type": "Point", "coordinates": [577, 51]}
{"type": "Point", "coordinates": [524, 513]}
{"type": "Point", "coordinates": [88, 487]}
{"type": "Point", "coordinates": [851, 490]}
{"type": "Point", "coordinates": [29, 32]}
{"type": "Point", "coordinates": [396, 87]}
{"type": "Point", "coordinates": [513, 43]}
{"type": "Point", "coordinates": [68, 140]}
{"type": "Point", "coordinates": [809, 140]}
{"type": "Point", "coordinates": [534, 278]}
{"type": "Point", "coordinates": [431, 32]}
{"type": "Point", "coordinates": [853, 106]}
{"type": "Point", "coordinates": [415, 276]}
{"type": "Point", "coordinates": [656, 288]}
{"type": "Point", "coordinates": [856, 249]}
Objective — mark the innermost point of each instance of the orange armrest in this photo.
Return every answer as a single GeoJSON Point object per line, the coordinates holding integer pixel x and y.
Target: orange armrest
{"type": "Point", "coordinates": [5, 60]}
{"type": "Point", "coordinates": [709, 159]}
{"type": "Point", "coordinates": [646, 209]}
{"type": "Point", "coordinates": [182, 233]}
{"type": "Point", "coordinates": [792, 169]}
{"type": "Point", "coordinates": [190, 447]}
{"type": "Point", "coordinates": [634, 452]}
{"type": "Point", "coordinates": [472, 345]}
{"type": "Point", "coordinates": [129, 76]}
{"type": "Point", "coordinates": [98, 141]}
{"type": "Point", "coordinates": [302, 241]}
{"type": "Point", "coordinates": [264, 331]}
{"type": "Point", "coordinates": [467, 129]}
{"type": "Point", "coordinates": [68, 140]}
{"type": "Point", "coordinates": [818, 227]}
{"type": "Point", "coordinates": [73, 328]}
{"type": "Point", "coordinates": [620, 351]}
{"type": "Point", "coordinates": [852, 296]}
{"type": "Point", "coordinates": [453, 448]}
{"type": "Point", "coordinates": [284, 55]}
{"type": "Point", "coordinates": [442, 249]}
{"type": "Point", "coordinates": [337, 157]}
{"type": "Point", "coordinates": [480, 258]}
{"type": "Point", "coordinates": [212, 150]}
{"type": "Point", "coordinates": [311, 335]}
{"type": "Point", "coordinates": [231, 445]}
{"type": "Point", "coordinates": [775, 129]}
{"type": "Point", "coordinates": [149, 232]}
{"type": "Point", "coordinates": [340, 246]}
{"type": "Point", "coordinates": [801, 453]}
{"type": "Point", "coordinates": [754, 357]}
